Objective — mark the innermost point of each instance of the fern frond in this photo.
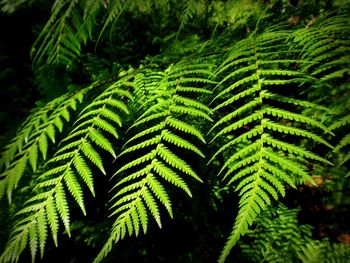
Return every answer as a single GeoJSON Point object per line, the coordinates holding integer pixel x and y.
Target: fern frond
{"type": "Point", "coordinates": [258, 123]}
{"type": "Point", "coordinates": [267, 127]}
{"type": "Point", "coordinates": [278, 235]}
{"type": "Point", "coordinates": [324, 251]}
{"type": "Point", "coordinates": [327, 43]}
{"type": "Point", "coordinates": [160, 130]}
{"type": "Point", "coordinates": [32, 140]}
{"type": "Point", "coordinates": [184, 127]}
{"type": "Point", "coordinates": [50, 205]}
{"type": "Point", "coordinates": [61, 38]}
{"type": "Point", "coordinates": [190, 9]}
{"type": "Point", "coordinates": [239, 124]}
{"type": "Point", "coordinates": [115, 9]}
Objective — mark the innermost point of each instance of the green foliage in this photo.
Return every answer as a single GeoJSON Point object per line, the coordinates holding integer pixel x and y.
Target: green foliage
{"type": "Point", "coordinates": [169, 112]}
{"type": "Point", "coordinates": [236, 13]}
{"type": "Point", "coordinates": [260, 159]}
{"type": "Point", "coordinates": [344, 142]}
{"type": "Point", "coordinates": [324, 251]}
{"type": "Point", "coordinates": [66, 170]}
{"type": "Point", "coordinates": [72, 24]}
{"type": "Point", "coordinates": [252, 98]}
{"type": "Point", "coordinates": [279, 237]}
{"type": "Point", "coordinates": [61, 38]}
{"type": "Point", "coordinates": [326, 44]}
{"type": "Point", "coordinates": [33, 139]}
{"type": "Point", "coordinates": [8, 6]}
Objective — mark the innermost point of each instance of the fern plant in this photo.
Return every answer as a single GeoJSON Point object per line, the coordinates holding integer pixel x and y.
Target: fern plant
{"type": "Point", "coordinates": [32, 140]}
{"type": "Point", "coordinates": [260, 120]}
{"type": "Point", "coordinates": [324, 251]}
{"type": "Point", "coordinates": [250, 99]}
{"type": "Point", "coordinates": [73, 24]}
{"type": "Point", "coordinates": [169, 113]}
{"type": "Point", "coordinates": [326, 43]}
{"type": "Point", "coordinates": [61, 38]}
{"type": "Point", "coordinates": [67, 170]}
{"type": "Point", "coordinates": [278, 237]}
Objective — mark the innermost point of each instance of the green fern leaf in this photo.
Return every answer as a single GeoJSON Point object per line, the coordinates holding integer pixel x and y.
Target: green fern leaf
{"type": "Point", "coordinates": [247, 135]}
{"type": "Point", "coordinates": [159, 128]}
{"type": "Point", "coordinates": [92, 155]}
{"type": "Point", "coordinates": [294, 117]}
{"type": "Point", "coordinates": [149, 118]}
{"type": "Point", "coordinates": [33, 156]}
{"type": "Point", "coordinates": [33, 243]}
{"type": "Point", "coordinates": [235, 113]}
{"type": "Point", "coordinates": [84, 171]}
{"type": "Point", "coordinates": [75, 189]}
{"type": "Point", "coordinates": [32, 138]}
{"type": "Point", "coordinates": [52, 218]}
{"type": "Point", "coordinates": [295, 131]}
{"type": "Point", "coordinates": [175, 161]}
{"type": "Point", "coordinates": [293, 149]}
{"type": "Point", "coordinates": [326, 43]}
{"type": "Point", "coordinates": [141, 210]}
{"type": "Point", "coordinates": [187, 13]}
{"type": "Point", "coordinates": [174, 139]}
{"type": "Point", "coordinates": [192, 89]}
{"type": "Point", "coordinates": [13, 175]}
{"type": "Point", "coordinates": [190, 102]}
{"type": "Point", "coordinates": [151, 205]}
{"type": "Point", "coordinates": [240, 95]}
{"type": "Point", "coordinates": [189, 111]}
{"type": "Point", "coordinates": [153, 141]}
{"type": "Point", "coordinates": [43, 145]}
{"type": "Point", "coordinates": [61, 38]}
{"type": "Point", "coordinates": [140, 160]}
{"type": "Point", "coordinates": [241, 153]}
{"type": "Point", "coordinates": [249, 209]}
{"type": "Point", "coordinates": [239, 124]}
{"type": "Point", "coordinates": [101, 141]}
{"type": "Point", "coordinates": [150, 130]}
{"type": "Point", "coordinates": [50, 204]}
{"type": "Point", "coordinates": [259, 160]}
{"type": "Point", "coordinates": [344, 142]}
{"type": "Point", "coordinates": [62, 207]}
{"type": "Point", "coordinates": [170, 176]}
{"type": "Point", "coordinates": [42, 231]}
{"type": "Point", "coordinates": [116, 8]}
{"type": "Point", "coordinates": [135, 221]}
{"type": "Point", "coordinates": [184, 127]}
{"type": "Point", "coordinates": [289, 165]}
